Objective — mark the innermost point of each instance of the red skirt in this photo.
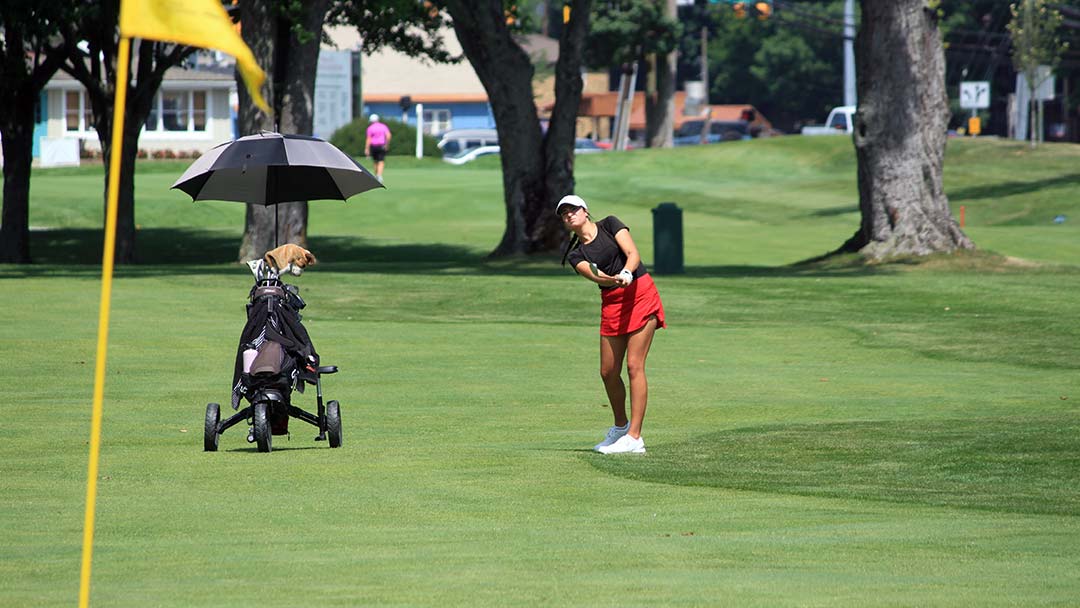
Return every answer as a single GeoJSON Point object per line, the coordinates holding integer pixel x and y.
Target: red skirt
{"type": "Point", "coordinates": [624, 310]}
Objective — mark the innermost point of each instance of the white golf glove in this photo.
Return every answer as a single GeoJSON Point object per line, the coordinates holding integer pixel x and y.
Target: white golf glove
{"type": "Point", "coordinates": [626, 276]}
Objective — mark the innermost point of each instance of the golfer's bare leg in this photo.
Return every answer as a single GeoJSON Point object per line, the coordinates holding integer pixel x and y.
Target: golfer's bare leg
{"type": "Point", "coordinates": [612, 351]}
{"type": "Point", "coordinates": [636, 351]}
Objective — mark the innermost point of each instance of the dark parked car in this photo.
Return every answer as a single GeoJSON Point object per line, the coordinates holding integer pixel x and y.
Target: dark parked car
{"type": "Point", "coordinates": [689, 133]}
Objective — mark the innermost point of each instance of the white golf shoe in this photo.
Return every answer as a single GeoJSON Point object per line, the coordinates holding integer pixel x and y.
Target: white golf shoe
{"type": "Point", "coordinates": [612, 436]}
{"type": "Point", "coordinates": [625, 445]}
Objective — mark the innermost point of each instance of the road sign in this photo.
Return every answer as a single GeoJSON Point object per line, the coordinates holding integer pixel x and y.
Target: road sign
{"type": "Point", "coordinates": [975, 94]}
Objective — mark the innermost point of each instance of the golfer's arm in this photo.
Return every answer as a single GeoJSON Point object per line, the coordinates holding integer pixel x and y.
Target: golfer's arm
{"type": "Point", "coordinates": [582, 268]}
{"type": "Point", "coordinates": [626, 243]}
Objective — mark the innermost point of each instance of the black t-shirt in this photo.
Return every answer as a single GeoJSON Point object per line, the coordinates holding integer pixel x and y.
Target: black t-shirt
{"type": "Point", "coordinates": [604, 251]}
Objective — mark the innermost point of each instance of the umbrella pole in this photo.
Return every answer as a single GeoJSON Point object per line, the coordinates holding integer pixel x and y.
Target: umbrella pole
{"type": "Point", "coordinates": [275, 226]}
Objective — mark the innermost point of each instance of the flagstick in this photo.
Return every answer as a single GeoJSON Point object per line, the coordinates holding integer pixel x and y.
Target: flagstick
{"type": "Point", "coordinates": [119, 103]}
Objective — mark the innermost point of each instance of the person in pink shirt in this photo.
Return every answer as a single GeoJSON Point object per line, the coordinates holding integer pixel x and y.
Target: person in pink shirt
{"type": "Point", "coordinates": [378, 140]}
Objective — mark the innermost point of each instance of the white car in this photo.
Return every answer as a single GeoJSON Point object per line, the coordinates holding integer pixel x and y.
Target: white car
{"type": "Point", "coordinates": [456, 140]}
{"type": "Point", "coordinates": [581, 146]}
{"type": "Point", "coordinates": [470, 154]}
{"type": "Point", "coordinates": [841, 121]}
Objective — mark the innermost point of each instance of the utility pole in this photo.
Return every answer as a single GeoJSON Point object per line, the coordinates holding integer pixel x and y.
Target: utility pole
{"type": "Point", "coordinates": [705, 60]}
{"type": "Point", "coordinates": [849, 53]}
{"type": "Point", "coordinates": [627, 85]}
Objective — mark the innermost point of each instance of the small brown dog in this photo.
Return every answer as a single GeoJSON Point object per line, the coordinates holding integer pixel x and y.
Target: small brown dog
{"type": "Point", "coordinates": [289, 258]}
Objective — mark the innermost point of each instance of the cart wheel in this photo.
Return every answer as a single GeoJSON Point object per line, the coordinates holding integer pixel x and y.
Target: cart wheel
{"type": "Point", "coordinates": [333, 423]}
{"type": "Point", "coordinates": [262, 426]}
{"type": "Point", "coordinates": [210, 431]}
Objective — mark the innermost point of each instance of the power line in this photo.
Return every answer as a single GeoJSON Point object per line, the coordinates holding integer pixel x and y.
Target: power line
{"type": "Point", "coordinates": [803, 25]}
{"type": "Point", "coordinates": [788, 14]}
{"type": "Point", "coordinates": [789, 7]}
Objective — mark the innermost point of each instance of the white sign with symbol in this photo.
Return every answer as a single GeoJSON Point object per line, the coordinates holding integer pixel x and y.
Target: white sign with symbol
{"type": "Point", "coordinates": [975, 94]}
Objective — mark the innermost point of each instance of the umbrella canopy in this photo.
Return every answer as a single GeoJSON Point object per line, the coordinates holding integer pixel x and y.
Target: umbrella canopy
{"type": "Point", "coordinates": [271, 168]}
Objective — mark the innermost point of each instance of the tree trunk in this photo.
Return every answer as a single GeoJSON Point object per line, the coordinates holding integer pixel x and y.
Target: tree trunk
{"type": "Point", "coordinates": [125, 194]}
{"type": "Point", "coordinates": [290, 63]}
{"type": "Point", "coordinates": [125, 200]}
{"type": "Point", "coordinates": [145, 78]}
{"type": "Point", "coordinates": [660, 108]}
{"type": "Point", "coordinates": [537, 169]}
{"type": "Point", "coordinates": [17, 132]}
{"type": "Point", "coordinates": [96, 70]}
{"type": "Point", "coordinates": [24, 75]}
{"type": "Point", "coordinates": [900, 134]}
{"type": "Point", "coordinates": [544, 227]}
{"type": "Point", "coordinates": [15, 224]}
{"type": "Point", "coordinates": [259, 31]}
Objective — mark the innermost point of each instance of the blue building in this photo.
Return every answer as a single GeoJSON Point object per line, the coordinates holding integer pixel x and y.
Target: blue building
{"type": "Point", "coordinates": [441, 112]}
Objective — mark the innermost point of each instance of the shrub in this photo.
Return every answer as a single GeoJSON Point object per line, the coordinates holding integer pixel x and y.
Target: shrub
{"type": "Point", "coordinates": [350, 138]}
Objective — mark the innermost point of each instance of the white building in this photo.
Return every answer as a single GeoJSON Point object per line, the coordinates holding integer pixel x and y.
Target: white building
{"type": "Point", "coordinates": [191, 113]}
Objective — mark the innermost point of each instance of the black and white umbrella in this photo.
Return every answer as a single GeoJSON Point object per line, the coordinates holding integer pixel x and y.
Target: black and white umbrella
{"type": "Point", "coordinates": [271, 168]}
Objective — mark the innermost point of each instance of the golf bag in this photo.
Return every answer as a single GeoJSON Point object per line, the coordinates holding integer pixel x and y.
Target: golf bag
{"type": "Point", "coordinates": [274, 358]}
{"type": "Point", "coordinates": [275, 355]}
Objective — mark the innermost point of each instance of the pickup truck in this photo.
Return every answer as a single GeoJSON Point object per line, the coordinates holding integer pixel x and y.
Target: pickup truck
{"type": "Point", "coordinates": [841, 121]}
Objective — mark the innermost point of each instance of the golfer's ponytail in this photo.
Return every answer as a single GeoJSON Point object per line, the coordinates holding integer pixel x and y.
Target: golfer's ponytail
{"type": "Point", "coordinates": [570, 245]}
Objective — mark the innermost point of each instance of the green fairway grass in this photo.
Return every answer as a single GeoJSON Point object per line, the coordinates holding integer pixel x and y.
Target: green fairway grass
{"type": "Point", "coordinates": [1021, 464]}
{"type": "Point", "coordinates": [831, 434]}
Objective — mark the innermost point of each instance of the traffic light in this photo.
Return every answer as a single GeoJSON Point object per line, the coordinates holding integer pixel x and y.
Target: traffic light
{"type": "Point", "coordinates": [739, 8]}
{"type": "Point", "coordinates": [566, 13]}
{"type": "Point", "coordinates": [763, 9]}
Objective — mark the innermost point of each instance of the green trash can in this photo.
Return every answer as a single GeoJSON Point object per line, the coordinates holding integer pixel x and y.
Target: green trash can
{"type": "Point", "coordinates": [667, 239]}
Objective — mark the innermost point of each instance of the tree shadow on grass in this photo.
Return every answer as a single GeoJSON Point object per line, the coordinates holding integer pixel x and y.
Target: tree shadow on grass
{"type": "Point", "coordinates": [835, 211]}
{"type": "Point", "coordinates": [76, 252]}
{"type": "Point", "coordinates": [784, 272]}
{"type": "Point", "coordinates": [276, 448]}
{"type": "Point", "coordinates": [1010, 188]}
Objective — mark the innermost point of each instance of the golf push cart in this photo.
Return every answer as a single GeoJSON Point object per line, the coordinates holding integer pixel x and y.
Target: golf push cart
{"type": "Point", "coordinates": [275, 357]}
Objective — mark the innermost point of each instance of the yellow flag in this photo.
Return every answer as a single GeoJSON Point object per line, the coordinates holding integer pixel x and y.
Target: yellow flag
{"type": "Point", "coordinates": [194, 23]}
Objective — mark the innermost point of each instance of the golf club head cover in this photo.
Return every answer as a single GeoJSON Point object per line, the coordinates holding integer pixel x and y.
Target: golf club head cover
{"type": "Point", "coordinates": [289, 258]}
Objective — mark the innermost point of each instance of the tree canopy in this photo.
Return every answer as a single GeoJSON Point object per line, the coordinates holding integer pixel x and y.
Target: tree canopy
{"type": "Point", "coordinates": [623, 31]}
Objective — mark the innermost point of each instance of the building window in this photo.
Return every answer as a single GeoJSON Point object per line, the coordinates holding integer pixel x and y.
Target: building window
{"type": "Point", "coordinates": [78, 116]}
{"type": "Point", "coordinates": [198, 110]}
{"type": "Point", "coordinates": [178, 111]}
{"type": "Point", "coordinates": [174, 110]}
{"type": "Point", "coordinates": [436, 121]}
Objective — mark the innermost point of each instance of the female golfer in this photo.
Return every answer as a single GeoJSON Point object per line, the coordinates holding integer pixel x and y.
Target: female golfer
{"type": "Point", "coordinates": [630, 313]}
